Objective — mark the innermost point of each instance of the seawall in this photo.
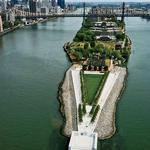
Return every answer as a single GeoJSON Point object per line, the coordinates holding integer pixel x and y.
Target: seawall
{"type": "Point", "coordinates": [68, 104]}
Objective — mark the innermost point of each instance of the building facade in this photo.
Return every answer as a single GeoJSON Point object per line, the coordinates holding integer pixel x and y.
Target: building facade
{"type": "Point", "coordinates": [83, 141]}
{"type": "Point", "coordinates": [13, 2]}
{"type": "Point", "coordinates": [32, 6]}
{"type": "Point", "coordinates": [53, 3]}
{"type": "Point", "coordinates": [61, 3]}
{"type": "Point", "coordinates": [3, 5]}
{"type": "Point", "coordinates": [1, 24]}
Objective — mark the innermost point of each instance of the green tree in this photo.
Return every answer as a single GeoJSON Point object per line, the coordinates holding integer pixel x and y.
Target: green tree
{"type": "Point", "coordinates": [95, 113]}
{"type": "Point", "coordinates": [79, 55]}
{"type": "Point", "coordinates": [84, 108]}
{"type": "Point", "coordinates": [92, 44]}
{"type": "Point", "coordinates": [116, 54]}
{"type": "Point", "coordinates": [80, 112]}
{"type": "Point", "coordinates": [7, 24]}
{"type": "Point", "coordinates": [93, 109]}
{"type": "Point", "coordinates": [86, 45]}
{"type": "Point", "coordinates": [120, 36]}
{"type": "Point", "coordinates": [91, 50]}
{"type": "Point", "coordinates": [79, 37]}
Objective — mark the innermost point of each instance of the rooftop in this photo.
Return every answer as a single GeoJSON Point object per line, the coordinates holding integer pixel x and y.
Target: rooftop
{"type": "Point", "coordinates": [83, 141]}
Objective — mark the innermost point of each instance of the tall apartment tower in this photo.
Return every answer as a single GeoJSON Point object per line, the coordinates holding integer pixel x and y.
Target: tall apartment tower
{"type": "Point", "coordinates": [61, 3]}
{"type": "Point", "coordinates": [53, 3]}
{"type": "Point", "coordinates": [32, 6]}
{"type": "Point", "coordinates": [13, 2]}
{"type": "Point", "coordinates": [1, 24]}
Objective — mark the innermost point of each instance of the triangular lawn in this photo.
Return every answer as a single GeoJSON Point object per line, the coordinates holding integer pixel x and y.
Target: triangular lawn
{"type": "Point", "coordinates": [91, 85]}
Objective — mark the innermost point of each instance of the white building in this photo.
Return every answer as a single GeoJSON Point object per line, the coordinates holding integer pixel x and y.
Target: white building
{"type": "Point", "coordinates": [58, 10]}
{"type": "Point", "coordinates": [11, 16]}
{"type": "Point", "coordinates": [83, 141]}
{"type": "Point", "coordinates": [3, 5]}
{"type": "Point", "coordinates": [1, 25]}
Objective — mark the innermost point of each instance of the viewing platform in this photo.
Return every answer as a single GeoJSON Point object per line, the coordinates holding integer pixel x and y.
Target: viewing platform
{"type": "Point", "coordinates": [83, 141]}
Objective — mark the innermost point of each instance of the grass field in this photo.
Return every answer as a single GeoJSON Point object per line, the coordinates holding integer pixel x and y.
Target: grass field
{"type": "Point", "coordinates": [91, 85]}
{"type": "Point", "coordinates": [107, 44]}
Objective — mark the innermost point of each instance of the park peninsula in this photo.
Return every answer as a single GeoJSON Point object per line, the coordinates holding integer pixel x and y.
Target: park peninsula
{"type": "Point", "coordinates": [92, 85]}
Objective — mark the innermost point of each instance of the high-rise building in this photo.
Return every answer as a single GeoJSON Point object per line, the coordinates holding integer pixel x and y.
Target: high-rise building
{"type": "Point", "coordinates": [13, 2]}
{"type": "Point", "coordinates": [1, 24]}
{"type": "Point", "coordinates": [24, 2]}
{"type": "Point", "coordinates": [61, 3]}
{"type": "Point", "coordinates": [53, 3]}
{"type": "Point", "coordinates": [11, 16]}
{"type": "Point", "coordinates": [46, 3]}
{"type": "Point", "coordinates": [3, 5]}
{"type": "Point", "coordinates": [32, 6]}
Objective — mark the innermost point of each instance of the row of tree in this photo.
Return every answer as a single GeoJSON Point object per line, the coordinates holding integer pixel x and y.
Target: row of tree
{"type": "Point", "coordinates": [8, 24]}
{"type": "Point", "coordinates": [85, 34]}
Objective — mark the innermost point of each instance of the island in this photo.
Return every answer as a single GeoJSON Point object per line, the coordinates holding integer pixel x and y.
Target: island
{"type": "Point", "coordinates": [93, 84]}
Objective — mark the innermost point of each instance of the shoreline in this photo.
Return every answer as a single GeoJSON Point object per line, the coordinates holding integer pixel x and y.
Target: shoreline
{"type": "Point", "coordinates": [61, 104]}
{"type": "Point", "coordinates": [7, 31]}
{"type": "Point", "coordinates": [10, 30]}
{"type": "Point", "coordinates": [67, 107]}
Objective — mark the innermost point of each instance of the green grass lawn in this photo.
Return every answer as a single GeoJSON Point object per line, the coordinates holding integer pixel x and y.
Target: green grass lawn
{"type": "Point", "coordinates": [91, 85]}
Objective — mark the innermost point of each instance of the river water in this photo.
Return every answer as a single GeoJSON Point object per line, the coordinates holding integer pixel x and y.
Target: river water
{"type": "Point", "coordinates": [32, 64]}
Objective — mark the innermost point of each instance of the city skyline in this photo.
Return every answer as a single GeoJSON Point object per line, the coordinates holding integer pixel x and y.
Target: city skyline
{"type": "Point", "coordinates": [107, 1]}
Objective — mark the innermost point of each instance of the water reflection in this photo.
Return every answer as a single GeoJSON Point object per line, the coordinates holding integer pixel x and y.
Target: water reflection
{"type": "Point", "coordinates": [1, 44]}
{"type": "Point", "coordinates": [114, 143]}
{"type": "Point", "coordinates": [53, 144]}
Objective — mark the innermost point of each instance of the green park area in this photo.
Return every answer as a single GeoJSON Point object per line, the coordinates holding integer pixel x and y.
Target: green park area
{"type": "Point", "coordinates": [91, 83]}
{"type": "Point", "coordinates": [85, 44]}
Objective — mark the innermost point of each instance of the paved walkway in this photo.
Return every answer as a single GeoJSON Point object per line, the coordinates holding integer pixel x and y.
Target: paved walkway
{"type": "Point", "coordinates": [93, 72]}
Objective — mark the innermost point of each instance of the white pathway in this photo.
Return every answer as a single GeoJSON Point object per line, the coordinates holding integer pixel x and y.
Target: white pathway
{"type": "Point", "coordinates": [86, 125]}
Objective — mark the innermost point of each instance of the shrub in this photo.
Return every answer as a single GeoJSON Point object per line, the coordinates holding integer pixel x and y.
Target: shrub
{"type": "Point", "coordinates": [89, 67]}
{"type": "Point", "coordinates": [95, 113]}
{"type": "Point", "coordinates": [82, 86]}
{"type": "Point", "coordinates": [92, 110]}
{"type": "Point", "coordinates": [80, 113]}
{"type": "Point", "coordinates": [84, 67]}
{"type": "Point", "coordinates": [79, 37]}
{"type": "Point", "coordinates": [120, 36]}
{"type": "Point", "coordinates": [92, 44]}
{"type": "Point", "coordinates": [86, 45]}
{"type": "Point", "coordinates": [95, 68]}
{"type": "Point", "coordinates": [84, 108]}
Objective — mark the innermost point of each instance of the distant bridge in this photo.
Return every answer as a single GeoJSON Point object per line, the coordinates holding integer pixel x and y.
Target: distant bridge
{"type": "Point", "coordinates": [93, 12]}
{"type": "Point", "coordinates": [81, 15]}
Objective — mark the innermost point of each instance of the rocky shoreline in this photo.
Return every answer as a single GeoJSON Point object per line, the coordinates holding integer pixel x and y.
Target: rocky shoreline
{"type": "Point", "coordinates": [106, 127]}
{"type": "Point", "coordinates": [68, 104]}
{"type": "Point", "coordinates": [106, 123]}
